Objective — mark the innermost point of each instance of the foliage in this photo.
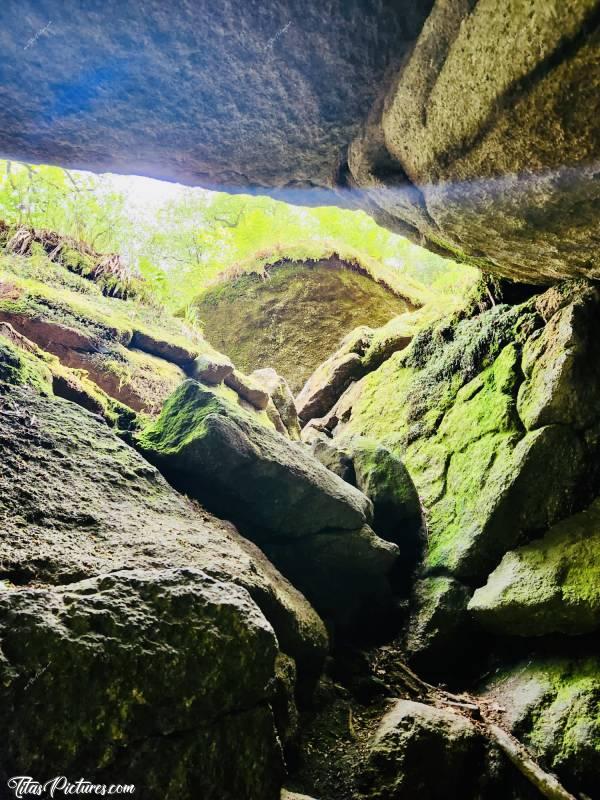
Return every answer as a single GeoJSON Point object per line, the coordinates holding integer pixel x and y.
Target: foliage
{"type": "Point", "coordinates": [184, 243]}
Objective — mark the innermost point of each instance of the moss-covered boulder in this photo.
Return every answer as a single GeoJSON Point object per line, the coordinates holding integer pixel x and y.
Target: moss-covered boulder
{"type": "Point", "coordinates": [562, 368]}
{"type": "Point", "coordinates": [76, 502]}
{"type": "Point", "coordinates": [293, 315]}
{"type": "Point", "coordinates": [215, 449]}
{"type": "Point", "coordinates": [553, 705]}
{"type": "Point", "coordinates": [549, 586]}
{"type": "Point", "coordinates": [385, 480]}
{"type": "Point", "coordinates": [116, 342]}
{"type": "Point", "coordinates": [448, 406]}
{"type": "Point", "coordinates": [172, 671]}
{"type": "Point", "coordinates": [309, 521]}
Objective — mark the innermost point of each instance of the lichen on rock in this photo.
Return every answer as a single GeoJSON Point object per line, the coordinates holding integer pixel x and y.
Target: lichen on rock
{"type": "Point", "coordinates": [154, 657]}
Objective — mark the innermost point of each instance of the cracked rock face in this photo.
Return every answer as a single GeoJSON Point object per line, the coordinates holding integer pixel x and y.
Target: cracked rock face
{"type": "Point", "coordinates": [471, 129]}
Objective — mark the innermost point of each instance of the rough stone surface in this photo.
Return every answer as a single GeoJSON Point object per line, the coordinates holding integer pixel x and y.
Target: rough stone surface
{"type": "Point", "coordinates": [447, 406]}
{"type": "Point", "coordinates": [211, 368]}
{"type": "Point", "coordinates": [438, 636]}
{"type": "Point", "coordinates": [549, 586]}
{"type": "Point", "coordinates": [486, 144]}
{"type": "Point", "coordinates": [347, 577]}
{"type": "Point", "coordinates": [425, 752]}
{"type": "Point", "coordinates": [248, 390]}
{"type": "Point", "coordinates": [480, 140]}
{"type": "Point", "coordinates": [265, 480]}
{"type": "Point", "coordinates": [292, 315]}
{"type": "Point", "coordinates": [107, 102]}
{"type": "Point", "coordinates": [307, 520]}
{"type": "Point", "coordinates": [331, 379]}
{"type": "Point", "coordinates": [75, 502]}
{"type": "Point", "coordinates": [150, 656]}
{"type": "Point", "coordinates": [282, 397]}
{"type": "Point", "coordinates": [553, 705]}
{"type": "Point", "coordinates": [176, 353]}
{"type": "Point", "coordinates": [327, 384]}
{"type": "Point", "coordinates": [562, 366]}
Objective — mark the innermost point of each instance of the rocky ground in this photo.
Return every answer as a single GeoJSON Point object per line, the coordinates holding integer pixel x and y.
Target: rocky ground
{"type": "Point", "coordinates": [389, 592]}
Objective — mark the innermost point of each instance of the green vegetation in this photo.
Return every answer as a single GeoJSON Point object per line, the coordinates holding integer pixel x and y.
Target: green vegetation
{"type": "Point", "coordinates": [183, 243]}
{"type": "Point", "coordinates": [294, 319]}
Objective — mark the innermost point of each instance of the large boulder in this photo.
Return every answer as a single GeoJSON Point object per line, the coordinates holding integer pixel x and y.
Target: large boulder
{"type": "Point", "coordinates": [470, 128]}
{"type": "Point", "coordinates": [263, 479]}
{"type": "Point", "coordinates": [562, 368]}
{"type": "Point", "coordinates": [172, 672]}
{"type": "Point", "coordinates": [379, 474]}
{"type": "Point", "coordinates": [282, 317]}
{"type": "Point", "coordinates": [347, 576]}
{"type": "Point", "coordinates": [77, 502]}
{"type": "Point", "coordinates": [332, 377]}
{"type": "Point", "coordinates": [256, 77]}
{"type": "Point", "coordinates": [552, 704]}
{"type": "Point", "coordinates": [428, 753]}
{"type": "Point", "coordinates": [282, 497]}
{"type": "Point", "coordinates": [485, 142]}
{"type": "Point", "coordinates": [549, 586]}
{"type": "Point", "coordinates": [448, 407]}
{"type": "Point", "coordinates": [387, 483]}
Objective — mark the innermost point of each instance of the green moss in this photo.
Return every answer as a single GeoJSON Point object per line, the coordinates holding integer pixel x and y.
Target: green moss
{"type": "Point", "coordinates": [294, 317]}
{"type": "Point", "coordinates": [23, 369]}
{"type": "Point", "coordinates": [49, 290]}
{"type": "Point", "coordinates": [183, 418]}
{"type": "Point", "coordinates": [551, 585]}
{"type": "Point", "coordinates": [447, 406]}
{"type": "Point", "coordinates": [555, 708]}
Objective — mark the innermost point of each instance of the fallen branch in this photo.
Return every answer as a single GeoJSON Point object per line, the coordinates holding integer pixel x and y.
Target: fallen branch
{"type": "Point", "coordinates": [547, 784]}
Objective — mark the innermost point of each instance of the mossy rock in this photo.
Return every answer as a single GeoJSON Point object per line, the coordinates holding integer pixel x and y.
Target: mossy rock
{"type": "Point", "coordinates": [21, 368]}
{"type": "Point", "coordinates": [552, 704]}
{"type": "Point", "coordinates": [130, 357]}
{"type": "Point", "coordinates": [294, 315]}
{"type": "Point", "coordinates": [263, 480]}
{"type": "Point", "coordinates": [309, 522]}
{"type": "Point", "coordinates": [549, 586]}
{"type": "Point", "coordinates": [93, 505]}
{"type": "Point", "coordinates": [448, 407]}
{"type": "Point", "coordinates": [209, 659]}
